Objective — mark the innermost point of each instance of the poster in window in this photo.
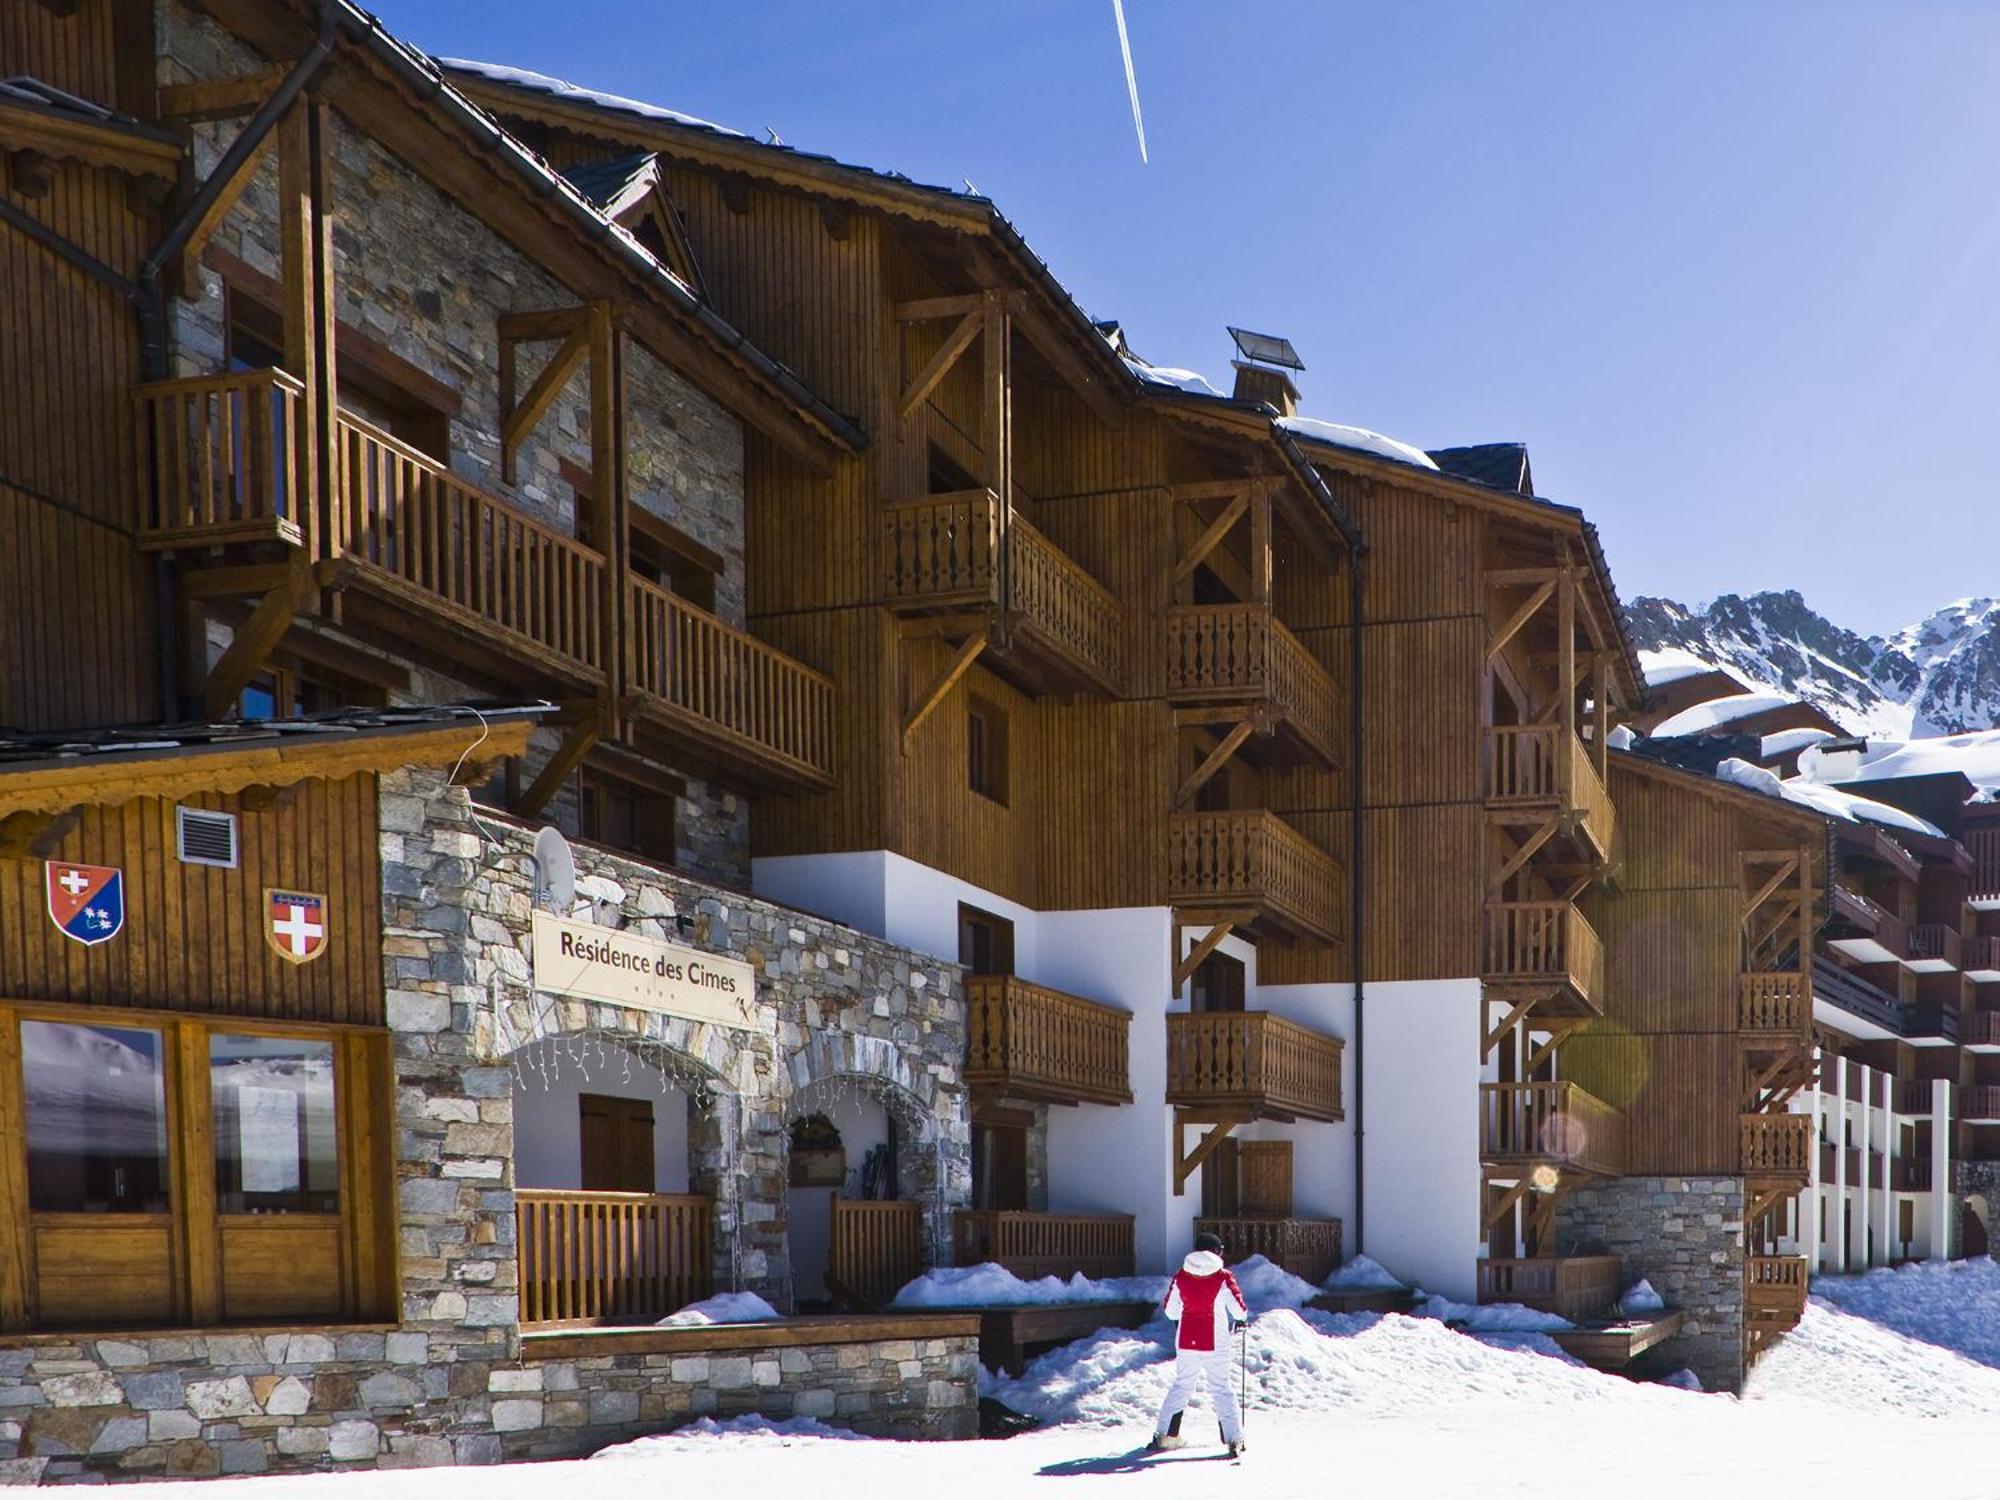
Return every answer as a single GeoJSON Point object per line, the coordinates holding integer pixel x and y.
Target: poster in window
{"type": "Point", "coordinates": [268, 1134]}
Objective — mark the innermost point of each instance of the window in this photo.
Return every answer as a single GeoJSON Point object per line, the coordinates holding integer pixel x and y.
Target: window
{"type": "Point", "coordinates": [621, 815]}
{"type": "Point", "coordinates": [283, 692]}
{"type": "Point", "coordinates": [191, 1173]}
{"type": "Point", "coordinates": [615, 1139]}
{"type": "Point", "coordinates": [999, 1167]}
{"type": "Point", "coordinates": [1218, 984]}
{"type": "Point", "coordinates": [986, 750]}
{"type": "Point", "coordinates": [985, 942]}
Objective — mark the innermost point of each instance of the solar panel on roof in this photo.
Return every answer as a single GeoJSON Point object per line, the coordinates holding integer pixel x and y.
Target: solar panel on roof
{"type": "Point", "coordinates": [1266, 348]}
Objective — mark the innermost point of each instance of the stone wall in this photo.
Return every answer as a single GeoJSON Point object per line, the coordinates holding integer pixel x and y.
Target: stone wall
{"type": "Point", "coordinates": [1974, 1183]}
{"type": "Point", "coordinates": [1685, 1235]}
{"type": "Point", "coordinates": [419, 274]}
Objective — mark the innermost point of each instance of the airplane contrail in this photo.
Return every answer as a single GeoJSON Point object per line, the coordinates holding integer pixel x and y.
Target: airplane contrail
{"type": "Point", "coordinates": [1131, 78]}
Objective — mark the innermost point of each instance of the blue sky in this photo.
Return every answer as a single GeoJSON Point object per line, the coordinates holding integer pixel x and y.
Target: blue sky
{"type": "Point", "coordinates": [1727, 266]}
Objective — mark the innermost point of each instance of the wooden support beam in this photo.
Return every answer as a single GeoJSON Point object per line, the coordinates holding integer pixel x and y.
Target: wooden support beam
{"type": "Point", "coordinates": [1260, 545]}
{"type": "Point", "coordinates": [517, 423]}
{"type": "Point", "coordinates": [255, 639]}
{"type": "Point", "coordinates": [36, 835]}
{"type": "Point", "coordinates": [610, 515]}
{"type": "Point", "coordinates": [940, 364]}
{"type": "Point", "coordinates": [1513, 577]}
{"type": "Point", "coordinates": [1211, 538]}
{"type": "Point", "coordinates": [1198, 954]}
{"type": "Point", "coordinates": [1559, 1032]}
{"type": "Point", "coordinates": [1187, 1163]}
{"type": "Point", "coordinates": [549, 323]}
{"type": "Point", "coordinates": [1496, 1212]}
{"type": "Point", "coordinates": [1216, 759]}
{"type": "Point", "coordinates": [941, 686]}
{"type": "Point", "coordinates": [233, 581]}
{"type": "Point", "coordinates": [921, 308]}
{"type": "Point", "coordinates": [1492, 1039]}
{"type": "Point", "coordinates": [1769, 889]}
{"type": "Point", "coordinates": [1519, 618]}
{"type": "Point", "coordinates": [218, 98]}
{"type": "Point", "coordinates": [1086, 381]}
{"type": "Point", "coordinates": [581, 738]}
{"type": "Point", "coordinates": [1568, 671]}
{"type": "Point", "coordinates": [218, 210]}
{"type": "Point", "coordinates": [1522, 854]}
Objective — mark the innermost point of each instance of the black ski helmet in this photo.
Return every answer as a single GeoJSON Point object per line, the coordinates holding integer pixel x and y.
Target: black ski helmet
{"type": "Point", "coordinates": [1209, 1242]}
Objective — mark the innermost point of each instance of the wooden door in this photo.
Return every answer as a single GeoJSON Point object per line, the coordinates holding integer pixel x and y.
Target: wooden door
{"type": "Point", "coordinates": [1218, 984]}
{"type": "Point", "coordinates": [999, 1167]}
{"type": "Point", "coordinates": [616, 1140]}
{"type": "Point", "coordinates": [1221, 1197]}
{"type": "Point", "coordinates": [1266, 1173]}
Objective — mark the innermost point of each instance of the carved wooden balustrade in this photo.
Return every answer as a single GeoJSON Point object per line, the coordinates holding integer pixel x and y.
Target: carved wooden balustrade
{"type": "Point", "coordinates": [1033, 1245]}
{"type": "Point", "coordinates": [1254, 1063]}
{"type": "Point", "coordinates": [1242, 654]}
{"type": "Point", "coordinates": [1254, 859]}
{"type": "Point", "coordinates": [1030, 1042]}
{"type": "Point", "coordinates": [1530, 765]}
{"type": "Point", "coordinates": [1577, 1287]}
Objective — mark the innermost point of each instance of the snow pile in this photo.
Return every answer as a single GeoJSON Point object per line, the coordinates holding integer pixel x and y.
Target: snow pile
{"type": "Point", "coordinates": [1671, 664]}
{"type": "Point", "coordinates": [789, 1431]}
{"type": "Point", "coordinates": [1974, 756]}
{"type": "Point", "coordinates": [1953, 1304]}
{"type": "Point", "coordinates": [724, 1307]}
{"type": "Point", "coordinates": [1340, 435]}
{"type": "Point", "coordinates": [1822, 799]}
{"type": "Point", "coordinates": [1267, 1286]}
{"type": "Point", "coordinates": [1489, 1317]}
{"type": "Point", "coordinates": [1363, 1275]}
{"type": "Point", "coordinates": [1191, 381]}
{"type": "Point", "coordinates": [991, 1285]}
{"type": "Point", "coordinates": [1716, 712]}
{"type": "Point", "coordinates": [1640, 1299]}
{"type": "Point", "coordinates": [1785, 741]}
{"type": "Point", "coordinates": [1837, 1358]}
{"type": "Point", "coordinates": [570, 93]}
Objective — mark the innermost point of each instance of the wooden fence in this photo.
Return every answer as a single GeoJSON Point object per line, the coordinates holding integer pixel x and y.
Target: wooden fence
{"type": "Point", "coordinates": [1044, 1244]}
{"type": "Point", "coordinates": [874, 1249]}
{"type": "Point", "coordinates": [1226, 653]}
{"type": "Point", "coordinates": [611, 1257]}
{"type": "Point", "coordinates": [1308, 1248]}
{"type": "Point", "coordinates": [1777, 1146]}
{"type": "Point", "coordinates": [1550, 1122]}
{"type": "Point", "coordinates": [1577, 1287]}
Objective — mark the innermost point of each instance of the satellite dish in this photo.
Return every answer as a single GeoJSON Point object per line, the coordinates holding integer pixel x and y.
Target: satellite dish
{"type": "Point", "coordinates": [555, 872]}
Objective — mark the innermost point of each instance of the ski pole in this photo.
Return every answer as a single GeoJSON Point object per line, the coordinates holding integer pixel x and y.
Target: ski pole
{"type": "Point", "coordinates": [1243, 1368]}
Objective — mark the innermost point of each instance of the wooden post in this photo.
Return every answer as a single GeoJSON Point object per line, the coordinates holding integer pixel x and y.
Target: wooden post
{"type": "Point", "coordinates": [1566, 679]}
{"type": "Point", "coordinates": [1260, 544]}
{"type": "Point", "coordinates": [608, 511]}
{"type": "Point", "coordinates": [298, 254]}
{"type": "Point", "coordinates": [1600, 689]}
{"type": "Point", "coordinates": [998, 426]}
{"type": "Point", "coordinates": [325, 527]}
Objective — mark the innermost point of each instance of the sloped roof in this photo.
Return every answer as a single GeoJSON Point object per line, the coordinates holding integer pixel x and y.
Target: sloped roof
{"type": "Point", "coordinates": [1504, 466]}
{"type": "Point", "coordinates": [613, 185]}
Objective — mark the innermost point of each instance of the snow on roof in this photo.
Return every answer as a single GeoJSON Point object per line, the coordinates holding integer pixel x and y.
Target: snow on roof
{"type": "Point", "coordinates": [1343, 436]}
{"type": "Point", "coordinates": [1671, 664]}
{"type": "Point", "coordinates": [562, 88]}
{"type": "Point", "coordinates": [1785, 741]}
{"type": "Point", "coordinates": [1703, 717]}
{"type": "Point", "coordinates": [1181, 380]}
{"type": "Point", "coordinates": [1975, 756]}
{"type": "Point", "coordinates": [1823, 799]}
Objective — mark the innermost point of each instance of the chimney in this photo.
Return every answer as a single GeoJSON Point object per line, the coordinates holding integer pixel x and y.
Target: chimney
{"type": "Point", "coordinates": [1262, 366]}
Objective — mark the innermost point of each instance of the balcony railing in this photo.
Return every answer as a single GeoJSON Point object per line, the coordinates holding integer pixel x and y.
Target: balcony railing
{"type": "Point", "coordinates": [1856, 995]}
{"type": "Point", "coordinates": [1254, 859]}
{"type": "Point", "coordinates": [222, 462]}
{"type": "Point", "coordinates": [1546, 942]}
{"type": "Point", "coordinates": [874, 1249]}
{"type": "Point", "coordinates": [1981, 958]}
{"type": "Point", "coordinates": [1529, 764]}
{"type": "Point", "coordinates": [1980, 1101]}
{"type": "Point", "coordinates": [1776, 1005]}
{"type": "Point", "coordinates": [1980, 1028]}
{"type": "Point", "coordinates": [947, 552]}
{"type": "Point", "coordinates": [1034, 1043]}
{"type": "Point", "coordinates": [1934, 944]}
{"type": "Point", "coordinates": [611, 1257]}
{"type": "Point", "coordinates": [1527, 1124]}
{"type": "Point", "coordinates": [1872, 919]}
{"type": "Point", "coordinates": [1241, 653]}
{"type": "Point", "coordinates": [1033, 1245]}
{"type": "Point", "coordinates": [1911, 1174]}
{"type": "Point", "coordinates": [1983, 844]}
{"type": "Point", "coordinates": [1776, 1146]}
{"type": "Point", "coordinates": [1775, 1286]}
{"type": "Point", "coordinates": [1913, 1096]}
{"type": "Point", "coordinates": [1253, 1061]}
{"type": "Point", "coordinates": [1577, 1287]}
{"type": "Point", "coordinates": [690, 668]}
{"type": "Point", "coordinates": [1308, 1248]}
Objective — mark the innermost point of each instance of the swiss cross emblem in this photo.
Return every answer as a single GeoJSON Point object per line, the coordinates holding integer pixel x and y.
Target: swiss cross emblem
{"type": "Point", "coordinates": [295, 924]}
{"type": "Point", "coordinates": [86, 902]}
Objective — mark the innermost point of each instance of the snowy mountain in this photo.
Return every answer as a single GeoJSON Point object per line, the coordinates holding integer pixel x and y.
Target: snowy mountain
{"type": "Point", "coordinates": [1940, 676]}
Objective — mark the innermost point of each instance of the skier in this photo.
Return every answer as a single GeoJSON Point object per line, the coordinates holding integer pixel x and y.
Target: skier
{"type": "Point", "coordinates": [1207, 1303]}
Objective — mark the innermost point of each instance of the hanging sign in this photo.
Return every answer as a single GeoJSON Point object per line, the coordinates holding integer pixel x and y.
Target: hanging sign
{"type": "Point", "coordinates": [599, 963]}
{"type": "Point", "coordinates": [295, 924]}
{"type": "Point", "coordinates": [86, 902]}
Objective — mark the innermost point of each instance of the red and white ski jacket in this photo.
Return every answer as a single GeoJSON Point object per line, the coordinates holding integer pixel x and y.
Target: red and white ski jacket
{"type": "Point", "coordinates": [1202, 1298]}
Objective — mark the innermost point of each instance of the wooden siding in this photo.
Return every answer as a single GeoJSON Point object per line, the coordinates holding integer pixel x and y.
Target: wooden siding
{"type": "Point", "coordinates": [1678, 1091]}
{"type": "Point", "coordinates": [194, 934]}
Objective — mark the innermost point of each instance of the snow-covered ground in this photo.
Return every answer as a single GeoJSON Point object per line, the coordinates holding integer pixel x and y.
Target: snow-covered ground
{"type": "Point", "coordinates": [1889, 1385]}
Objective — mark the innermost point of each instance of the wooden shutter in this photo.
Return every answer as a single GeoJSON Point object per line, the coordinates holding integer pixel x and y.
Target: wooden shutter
{"type": "Point", "coordinates": [1267, 1179]}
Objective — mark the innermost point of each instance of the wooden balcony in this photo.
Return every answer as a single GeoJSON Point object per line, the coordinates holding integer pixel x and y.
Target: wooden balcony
{"type": "Point", "coordinates": [1774, 1010]}
{"type": "Point", "coordinates": [1252, 1065]}
{"type": "Point", "coordinates": [1308, 1248]}
{"type": "Point", "coordinates": [1545, 947]}
{"type": "Point", "coordinates": [719, 696]}
{"type": "Point", "coordinates": [1910, 1174]}
{"type": "Point", "coordinates": [1577, 1287]}
{"type": "Point", "coordinates": [1527, 1125]}
{"type": "Point", "coordinates": [1934, 949]}
{"type": "Point", "coordinates": [1979, 1031]}
{"type": "Point", "coordinates": [611, 1258]}
{"type": "Point", "coordinates": [1238, 656]}
{"type": "Point", "coordinates": [1029, 1042]}
{"type": "Point", "coordinates": [1533, 767]}
{"type": "Point", "coordinates": [1058, 628]}
{"type": "Point", "coordinates": [1233, 861]}
{"type": "Point", "coordinates": [1774, 1287]}
{"type": "Point", "coordinates": [874, 1249]}
{"type": "Point", "coordinates": [1979, 1103]}
{"type": "Point", "coordinates": [1033, 1245]}
{"type": "Point", "coordinates": [1776, 1147]}
{"type": "Point", "coordinates": [1913, 1096]}
{"type": "Point", "coordinates": [1983, 844]}
{"type": "Point", "coordinates": [222, 470]}
{"type": "Point", "coordinates": [1981, 958]}
{"type": "Point", "coordinates": [1865, 931]}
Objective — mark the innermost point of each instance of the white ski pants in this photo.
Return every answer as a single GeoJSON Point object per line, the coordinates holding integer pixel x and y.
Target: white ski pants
{"type": "Point", "coordinates": [1191, 1367]}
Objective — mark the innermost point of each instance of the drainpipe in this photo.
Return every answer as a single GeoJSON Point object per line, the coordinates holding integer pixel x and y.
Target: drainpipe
{"type": "Point", "coordinates": [1357, 865]}
{"type": "Point", "coordinates": [148, 294]}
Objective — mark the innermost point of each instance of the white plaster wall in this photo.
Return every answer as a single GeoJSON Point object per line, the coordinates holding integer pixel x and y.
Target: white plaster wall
{"type": "Point", "coordinates": [845, 888]}
{"type": "Point", "coordinates": [1322, 1154]}
{"type": "Point", "coordinates": [548, 1129]}
{"type": "Point", "coordinates": [1422, 1142]}
{"type": "Point", "coordinates": [863, 1124]}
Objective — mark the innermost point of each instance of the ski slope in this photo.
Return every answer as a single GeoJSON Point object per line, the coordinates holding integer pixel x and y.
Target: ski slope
{"type": "Point", "coordinates": [1890, 1385]}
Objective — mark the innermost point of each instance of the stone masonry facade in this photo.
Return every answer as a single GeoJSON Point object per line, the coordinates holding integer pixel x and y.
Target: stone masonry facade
{"type": "Point", "coordinates": [419, 274]}
{"type": "Point", "coordinates": [1685, 1235]}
